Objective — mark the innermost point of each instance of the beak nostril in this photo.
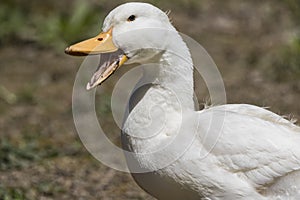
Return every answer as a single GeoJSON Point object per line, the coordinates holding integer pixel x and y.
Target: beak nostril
{"type": "Point", "coordinates": [100, 39]}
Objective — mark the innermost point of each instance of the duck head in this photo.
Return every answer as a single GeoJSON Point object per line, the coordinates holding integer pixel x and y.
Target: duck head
{"type": "Point", "coordinates": [132, 33]}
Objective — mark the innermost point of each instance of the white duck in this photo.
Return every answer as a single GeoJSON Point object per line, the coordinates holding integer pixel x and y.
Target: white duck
{"type": "Point", "coordinates": [257, 153]}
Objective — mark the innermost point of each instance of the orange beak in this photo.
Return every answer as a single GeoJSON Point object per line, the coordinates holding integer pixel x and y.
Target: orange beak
{"type": "Point", "coordinates": [102, 43]}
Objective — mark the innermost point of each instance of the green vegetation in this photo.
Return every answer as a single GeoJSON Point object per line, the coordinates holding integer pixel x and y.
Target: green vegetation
{"type": "Point", "coordinates": [285, 64]}
{"type": "Point", "coordinates": [286, 67]}
{"type": "Point", "coordinates": [27, 150]}
{"type": "Point", "coordinates": [52, 28]}
{"type": "Point", "coordinates": [47, 25]}
{"type": "Point", "coordinates": [294, 6]}
{"type": "Point", "coordinates": [7, 193]}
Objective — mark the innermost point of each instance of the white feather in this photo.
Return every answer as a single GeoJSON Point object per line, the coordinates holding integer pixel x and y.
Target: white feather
{"type": "Point", "coordinates": [256, 150]}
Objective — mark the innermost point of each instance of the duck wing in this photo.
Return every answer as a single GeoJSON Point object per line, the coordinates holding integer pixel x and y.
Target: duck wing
{"type": "Point", "coordinates": [253, 143]}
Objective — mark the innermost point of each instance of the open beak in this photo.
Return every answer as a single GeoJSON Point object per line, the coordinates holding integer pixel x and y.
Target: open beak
{"type": "Point", "coordinates": [111, 59]}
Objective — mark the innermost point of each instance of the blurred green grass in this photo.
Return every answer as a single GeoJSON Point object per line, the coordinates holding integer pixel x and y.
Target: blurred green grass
{"type": "Point", "coordinates": [7, 193]}
{"type": "Point", "coordinates": [50, 26]}
{"type": "Point", "coordinates": [286, 65]}
{"type": "Point", "coordinates": [26, 151]}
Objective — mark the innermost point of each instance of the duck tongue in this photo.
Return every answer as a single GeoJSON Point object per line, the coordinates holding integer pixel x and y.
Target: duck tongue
{"type": "Point", "coordinates": [109, 63]}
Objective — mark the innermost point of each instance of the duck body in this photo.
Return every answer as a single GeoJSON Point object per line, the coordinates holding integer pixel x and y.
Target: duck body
{"type": "Point", "coordinates": [246, 156]}
{"type": "Point", "coordinates": [244, 163]}
{"type": "Point", "coordinates": [233, 151]}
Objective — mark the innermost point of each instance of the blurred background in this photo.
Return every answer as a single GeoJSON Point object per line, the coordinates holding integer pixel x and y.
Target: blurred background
{"type": "Point", "coordinates": [255, 44]}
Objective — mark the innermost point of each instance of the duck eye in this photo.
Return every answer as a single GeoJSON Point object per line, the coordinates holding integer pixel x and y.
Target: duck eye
{"type": "Point", "coordinates": [131, 18]}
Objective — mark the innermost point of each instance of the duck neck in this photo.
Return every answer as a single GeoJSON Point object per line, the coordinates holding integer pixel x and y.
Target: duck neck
{"type": "Point", "coordinates": [174, 74]}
